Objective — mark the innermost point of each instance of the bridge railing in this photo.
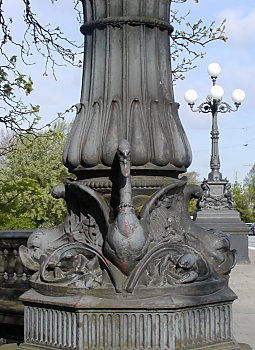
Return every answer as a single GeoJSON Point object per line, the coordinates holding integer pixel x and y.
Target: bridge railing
{"type": "Point", "coordinates": [14, 280]}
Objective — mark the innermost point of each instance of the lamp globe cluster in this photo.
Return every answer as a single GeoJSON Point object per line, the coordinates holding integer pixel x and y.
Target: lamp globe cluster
{"type": "Point", "coordinates": [216, 91]}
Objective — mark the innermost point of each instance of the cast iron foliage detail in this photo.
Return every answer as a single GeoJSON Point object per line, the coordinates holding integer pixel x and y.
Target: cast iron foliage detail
{"type": "Point", "coordinates": [127, 127]}
{"type": "Point", "coordinates": [156, 248]}
{"type": "Point", "coordinates": [216, 196]}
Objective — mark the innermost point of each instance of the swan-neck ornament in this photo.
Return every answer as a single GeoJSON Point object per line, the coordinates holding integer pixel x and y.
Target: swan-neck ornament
{"type": "Point", "coordinates": [127, 240]}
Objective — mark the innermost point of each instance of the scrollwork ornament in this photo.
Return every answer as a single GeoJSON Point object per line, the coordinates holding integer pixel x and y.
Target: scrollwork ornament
{"type": "Point", "coordinates": [157, 247]}
{"type": "Point", "coordinates": [76, 264]}
{"type": "Point", "coordinates": [219, 201]}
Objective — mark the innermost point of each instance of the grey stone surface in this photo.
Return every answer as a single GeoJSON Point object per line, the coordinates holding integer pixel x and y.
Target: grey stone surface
{"type": "Point", "coordinates": [229, 222]}
{"type": "Point", "coordinates": [216, 210]}
{"type": "Point", "coordinates": [242, 281]}
{"type": "Point", "coordinates": [245, 346]}
{"type": "Point", "coordinates": [9, 347]}
{"type": "Point", "coordinates": [151, 328]}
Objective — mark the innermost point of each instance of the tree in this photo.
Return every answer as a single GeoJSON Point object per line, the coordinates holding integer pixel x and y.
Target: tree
{"type": "Point", "coordinates": [18, 115]}
{"type": "Point", "coordinates": [56, 48]}
{"type": "Point", "coordinates": [249, 180]}
{"type": "Point", "coordinates": [241, 202]}
{"type": "Point", "coordinates": [244, 197]}
{"type": "Point", "coordinates": [26, 178]}
{"type": "Point", "coordinates": [249, 187]}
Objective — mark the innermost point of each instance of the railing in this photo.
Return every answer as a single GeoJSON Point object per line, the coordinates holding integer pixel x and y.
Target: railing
{"type": "Point", "coordinates": [14, 280]}
{"type": "Point", "coordinates": [12, 272]}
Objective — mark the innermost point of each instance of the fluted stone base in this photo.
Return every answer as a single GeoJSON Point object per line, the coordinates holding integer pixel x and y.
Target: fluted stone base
{"type": "Point", "coordinates": [86, 327]}
{"type": "Point", "coordinates": [223, 346]}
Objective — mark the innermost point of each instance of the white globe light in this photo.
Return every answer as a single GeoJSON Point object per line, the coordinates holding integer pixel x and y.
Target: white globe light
{"type": "Point", "coordinates": [190, 96]}
{"type": "Point", "coordinates": [238, 96]}
{"type": "Point", "coordinates": [214, 69]}
{"type": "Point", "coordinates": [217, 92]}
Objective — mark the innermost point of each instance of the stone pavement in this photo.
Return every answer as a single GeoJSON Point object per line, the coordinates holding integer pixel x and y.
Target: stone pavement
{"type": "Point", "coordinates": [242, 281]}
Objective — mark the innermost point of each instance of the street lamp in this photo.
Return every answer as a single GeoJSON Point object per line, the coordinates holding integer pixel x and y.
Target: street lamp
{"type": "Point", "coordinates": [214, 105]}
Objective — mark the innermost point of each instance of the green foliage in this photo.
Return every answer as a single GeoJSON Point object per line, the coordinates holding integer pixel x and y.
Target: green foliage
{"type": "Point", "coordinates": [26, 179]}
{"type": "Point", "coordinates": [244, 197]}
{"type": "Point", "coordinates": [240, 201]}
{"type": "Point", "coordinates": [249, 180]}
{"type": "Point", "coordinates": [16, 115]}
{"type": "Point", "coordinates": [27, 39]}
{"type": "Point", "coordinates": [188, 38]}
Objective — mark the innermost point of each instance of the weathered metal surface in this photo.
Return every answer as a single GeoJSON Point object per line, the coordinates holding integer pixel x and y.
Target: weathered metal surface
{"type": "Point", "coordinates": [80, 326]}
{"type": "Point", "coordinates": [127, 247]}
{"type": "Point", "coordinates": [127, 90]}
{"type": "Point", "coordinates": [167, 254]}
{"type": "Point", "coordinates": [216, 195]}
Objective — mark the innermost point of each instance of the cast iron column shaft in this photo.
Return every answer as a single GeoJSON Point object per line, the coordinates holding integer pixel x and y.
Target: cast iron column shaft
{"type": "Point", "coordinates": [127, 90]}
{"type": "Point", "coordinates": [215, 158]}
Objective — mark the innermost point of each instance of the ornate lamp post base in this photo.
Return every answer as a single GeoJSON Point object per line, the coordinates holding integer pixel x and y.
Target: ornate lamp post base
{"type": "Point", "coordinates": [128, 268]}
{"type": "Point", "coordinates": [128, 322]}
{"type": "Point", "coordinates": [174, 296]}
{"type": "Point", "coordinates": [216, 210]}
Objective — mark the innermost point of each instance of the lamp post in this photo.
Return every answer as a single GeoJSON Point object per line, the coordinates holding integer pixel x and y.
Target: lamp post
{"type": "Point", "coordinates": [214, 105]}
{"type": "Point", "coordinates": [216, 209]}
{"type": "Point", "coordinates": [113, 279]}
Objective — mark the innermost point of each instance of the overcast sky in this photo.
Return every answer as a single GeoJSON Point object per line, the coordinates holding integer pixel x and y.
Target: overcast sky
{"type": "Point", "coordinates": [236, 57]}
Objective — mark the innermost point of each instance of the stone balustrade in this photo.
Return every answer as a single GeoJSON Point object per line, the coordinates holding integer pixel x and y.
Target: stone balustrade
{"type": "Point", "coordinates": [14, 280]}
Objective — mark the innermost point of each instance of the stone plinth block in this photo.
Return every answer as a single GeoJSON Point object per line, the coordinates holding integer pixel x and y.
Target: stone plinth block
{"type": "Point", "coordinates": [86, 327]}
{"type": "Point", "coordinates": [229, 222]}
{"type": "Point", "coordinates": [216, 211]}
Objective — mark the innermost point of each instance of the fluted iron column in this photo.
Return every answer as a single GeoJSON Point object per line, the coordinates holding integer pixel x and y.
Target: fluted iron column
{"type": "Point", "coordinates": [215, 174]}
{"type": "Point", "coordinates": [127, 89]}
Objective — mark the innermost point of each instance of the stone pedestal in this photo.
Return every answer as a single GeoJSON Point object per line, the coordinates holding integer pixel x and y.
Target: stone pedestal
{"type": "Point", "coordinates": [229, 222]}
{"type": "Point", "coordinates": [216, 210]}
{"type": "Point", "coordinates": [87, 322]}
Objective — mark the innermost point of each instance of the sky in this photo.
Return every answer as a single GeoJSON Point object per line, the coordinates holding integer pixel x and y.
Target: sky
{"type": "Point", "coordinates": [236, 57]}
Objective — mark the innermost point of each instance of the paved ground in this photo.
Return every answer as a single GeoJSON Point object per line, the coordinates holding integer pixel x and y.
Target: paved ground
{"type": "Point", "coordinates": [242, 281]}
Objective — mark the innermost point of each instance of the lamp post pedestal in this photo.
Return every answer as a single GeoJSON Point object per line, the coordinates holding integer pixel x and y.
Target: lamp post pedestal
{"type": "Point", "coordinates": [216, 210]}
{"type": "Point", "coordinates": [126, 323]}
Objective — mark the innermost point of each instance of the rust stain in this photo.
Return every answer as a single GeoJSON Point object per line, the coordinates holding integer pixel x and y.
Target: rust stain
{"type": "Point", "coordinates": [122, 264]}
{"type": "Point", "coordinates": [126, 226]}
